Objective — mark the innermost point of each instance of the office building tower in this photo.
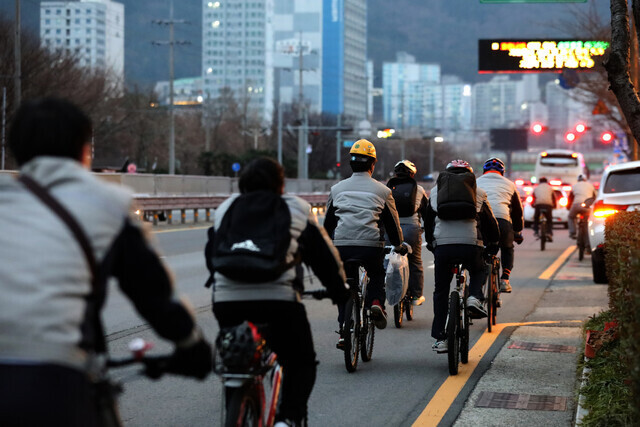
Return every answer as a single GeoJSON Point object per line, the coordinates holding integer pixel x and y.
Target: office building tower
{"type": "Point", "coordinates": [498, 103]}
{"type": "Point", "coordinates": [91, 30]}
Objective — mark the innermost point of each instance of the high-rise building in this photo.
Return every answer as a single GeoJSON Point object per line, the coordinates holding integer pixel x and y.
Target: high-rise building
{"type": "Point", "coordinates": [92, 30]}
{"type": "Point", "coordinates": [237, 53]}
{"type": "Point", "coordinates": [408, 92]}
{"type": "Point", "coordinates": [344, 58]}
{"type": "Point", "coordinates": [498, 103]}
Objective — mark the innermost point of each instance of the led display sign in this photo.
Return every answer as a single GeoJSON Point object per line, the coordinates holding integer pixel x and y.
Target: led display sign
{"type": "Point", "coordinates": [538, 56]}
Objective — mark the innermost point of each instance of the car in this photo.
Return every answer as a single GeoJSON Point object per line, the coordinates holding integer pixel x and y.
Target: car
{"type": "Point", "coordinates": [619, 191]}
{"type": "Point", "coordinates": [560, 214]}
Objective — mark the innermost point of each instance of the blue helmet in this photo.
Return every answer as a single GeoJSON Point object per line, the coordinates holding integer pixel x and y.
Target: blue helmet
{"type": "Point", "coordinates": [494, 164]}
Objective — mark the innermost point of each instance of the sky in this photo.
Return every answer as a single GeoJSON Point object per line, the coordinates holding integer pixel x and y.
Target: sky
{"type": "Point", "coordinates": [434, 31]}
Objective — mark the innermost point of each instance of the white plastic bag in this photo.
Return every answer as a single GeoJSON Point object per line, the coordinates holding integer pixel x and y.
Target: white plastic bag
{"type": "Point", "coordinates": [397, 277]}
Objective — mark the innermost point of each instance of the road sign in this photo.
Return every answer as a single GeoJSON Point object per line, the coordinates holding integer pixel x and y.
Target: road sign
{"type": "Point", "coordinates": [600, 108]}
{"type": "Point", "coordinates": [348, 144]}
{"type": "Point", "coordinates": [235, 167]}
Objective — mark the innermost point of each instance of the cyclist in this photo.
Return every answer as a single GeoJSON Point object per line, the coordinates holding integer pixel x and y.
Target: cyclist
{"type": "Point", "coordinates": [411, 203]}
{"type": "Point", "coordinates": [52, 343]}
{"type": "Point", "coordinates": [359, 212]}
{"type": "Point", "coordinates": [277, 303]}
{"type": "Point", "coordinates": [580, 192]}
{"type": "Point", "coordinates": [459, 240]}
{"type": "Point", "coordinates": [507, 208]}
{"type": "Point", "coordinates": [544, 199]}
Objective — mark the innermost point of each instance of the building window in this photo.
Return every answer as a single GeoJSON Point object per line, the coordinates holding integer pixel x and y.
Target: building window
{"type": "Point", "coordinates": [47, 21]}
{"type": "Point", "coordinates": [47, 12]}
{"type": "Point", "coordinates": [58, 12]}
{"type": "Point", "coordinates": [89, 21]}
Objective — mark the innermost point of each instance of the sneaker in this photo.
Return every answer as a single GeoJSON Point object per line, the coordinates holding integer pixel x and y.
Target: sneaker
{"type": "Point", "coordinates": [476, 310]}
{"type": "Point", "coordinates": [550, 238]}
{"type": "Point", "coordinates": [440, 347]}
{"type": "Point", "coordinates": [572, 236]}
{"type": "Point", "coordinates": [505, 286]}
{"type": "Point", "coordinates": [340, 343]}
{"type": "Point", "coordinates": [378, 315]}
{"type": "Point", "coordinates": [417, 300]}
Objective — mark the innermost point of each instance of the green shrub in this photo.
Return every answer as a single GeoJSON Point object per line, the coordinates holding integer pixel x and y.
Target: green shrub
{"type": "Point", "coordinates": [622, 256]}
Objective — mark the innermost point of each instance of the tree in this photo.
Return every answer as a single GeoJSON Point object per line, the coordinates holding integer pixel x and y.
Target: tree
{"type": "Point", "coordinates": [618, 63]}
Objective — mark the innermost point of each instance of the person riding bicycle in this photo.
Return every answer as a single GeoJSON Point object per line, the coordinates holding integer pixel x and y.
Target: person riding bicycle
{"type": "Point", "coordinates": [359, 212]}
{"type": "Point", "coordinates": [580, 192]}
{"type": "Point", "coordinates": [275, 302]}
{"type": "Point", "coordinates": [54, 280]}
{"type": "Point", "coordinates": [411, 204]}
{"type": "Point", "coordinates": [544, 200]}
{"type": "Point", "coordinates": [460, 239]}
{"type": "Point", "coordinates": [507, 208]}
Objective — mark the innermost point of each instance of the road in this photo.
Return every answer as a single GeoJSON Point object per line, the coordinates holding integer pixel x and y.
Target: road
{"type": "Point", "coordinates": [391, 390]}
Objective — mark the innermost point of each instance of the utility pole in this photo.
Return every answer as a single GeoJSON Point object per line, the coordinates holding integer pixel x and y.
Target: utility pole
{"type": "Point", "coordinates": [402, 135]}
{"type": "Point", "coordinates": [207, 127]}
{"type": "Point", "coordinates": [172, 120]}
{"type": "Point", "coordinates": [338, 143]}
{"type": "Point", "coordinates": [4, 121]}
{"type": "Point", "coordinates": [17, 59]}
{"type": "Point", "coordinates": [280, 132]}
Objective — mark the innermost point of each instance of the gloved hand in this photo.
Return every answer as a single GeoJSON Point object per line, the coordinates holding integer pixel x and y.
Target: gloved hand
{"type": "Point", "coordinates": [492, 249]}
{"type": "Point", "coordinates": [195, 360]}
{"type": "Point", "coordinates": [518, 238]}
{"type": "Point", "coordinates": [430, 247]}
{"type": "Point", "coordinates": [402, 248]}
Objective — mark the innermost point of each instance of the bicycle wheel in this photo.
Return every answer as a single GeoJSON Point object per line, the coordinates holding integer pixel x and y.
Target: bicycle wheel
{"type": "Point", "coordinates": [351, 328]}
{"type": "Point", "coordinates": [489, 299]}
{"type": "Point", "coordinates": [398, 311]}
{"type": "Point", "coordinates": [581, 241]}
{"type": "Point", "coordinates": [464, 331]}
{"type": "Point", "coordinates": [495, 295]}
{"type": "Point", "coordinates": [408, 308]}
{"type": "Point", "coordinates": [453, 325]}
{"type": "Point", "coordinates": [367, 336]}
{"type": "Point", "coordinates": [543, 234]}
{"type": "Point", "coordinates": [243, 407]}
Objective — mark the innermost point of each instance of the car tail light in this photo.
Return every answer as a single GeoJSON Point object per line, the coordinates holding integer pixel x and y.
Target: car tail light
{"type": "Point", "coordinates": [527, 189]}
{"type": "Point", "coordinates": [555, 182]}
{"type": "Point", "coordinates": [566, 188]}
{"type": "Point", "coordinates": [563, 202]}
{"type": "Point", "coordinates": [600, 210]}
{"type": "Point", "coordinates": [519, 182]}
{"type": "Point", "coordinates": [529, 199]}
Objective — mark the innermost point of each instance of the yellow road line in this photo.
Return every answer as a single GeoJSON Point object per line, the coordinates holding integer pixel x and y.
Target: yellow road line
{"type": "Point", "coordinates": [549, 272]}
{"type": "Point", "coordinates": [180, 229]}
{"type": "Point", "coordinates": [449, 390]}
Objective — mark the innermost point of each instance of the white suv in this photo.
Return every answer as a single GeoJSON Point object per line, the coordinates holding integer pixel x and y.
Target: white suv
{"type": "Point", "coordinates": [619, 191]}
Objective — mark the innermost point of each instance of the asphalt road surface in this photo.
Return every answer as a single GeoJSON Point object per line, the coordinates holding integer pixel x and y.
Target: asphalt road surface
{"type": "Point", "coordinates": [391, 390]}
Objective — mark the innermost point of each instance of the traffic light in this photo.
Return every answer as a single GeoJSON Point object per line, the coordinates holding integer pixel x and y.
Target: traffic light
{"type": "Point", "coordinates": [570, 136]}
{"type": "Point", "coordinates": [337, 164]}
{"type": "Point", "coordinates": [607, 136]}
{"type": "Point", "coordinates": [384, 133]}
{"type": "Point", "coordinates": [581, 128]}
{"type": "Point", "coordinates": [538, 128]}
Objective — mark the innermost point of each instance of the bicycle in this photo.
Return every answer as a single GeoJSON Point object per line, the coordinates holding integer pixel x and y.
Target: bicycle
{"type": "Point", "coordinates": [250, 372]}
{"type": "Point", "coordinates": [491, 289]}
{"type": "Point", "coordinates": [543, 234]}
{"type": "Point", "coordinates": [582, 236]}
{"type": "Point", "coordinates": [458, 321]}
{"type": "Point", "coordinates": [358, 328]}
{"type": "Point", "coordinates": [404, 307]}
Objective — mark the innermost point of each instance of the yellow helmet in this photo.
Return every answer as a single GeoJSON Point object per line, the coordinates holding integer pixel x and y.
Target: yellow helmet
{"type": "Point", "coordinates": [364, 148]}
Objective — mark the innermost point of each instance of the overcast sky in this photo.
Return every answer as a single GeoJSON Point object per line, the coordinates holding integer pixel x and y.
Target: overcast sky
{"type": "Point", "coordinates": [442, 31]}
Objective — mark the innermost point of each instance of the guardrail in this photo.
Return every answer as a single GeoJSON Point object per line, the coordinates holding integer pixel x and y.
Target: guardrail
{"type": "Point", "coordinates": [157, 208]}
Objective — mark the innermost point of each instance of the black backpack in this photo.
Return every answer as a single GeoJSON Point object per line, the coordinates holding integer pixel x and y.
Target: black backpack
{"type": "Point", "coordinates": [404, 191]}
{"type": "Point", "coordinates": [456, 195]}
{"type": "Point", "coordinates": [252, 242]}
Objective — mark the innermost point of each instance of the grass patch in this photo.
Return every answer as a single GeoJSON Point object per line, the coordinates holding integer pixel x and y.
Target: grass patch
{"type": "Point", "coordinates": [607, 391]}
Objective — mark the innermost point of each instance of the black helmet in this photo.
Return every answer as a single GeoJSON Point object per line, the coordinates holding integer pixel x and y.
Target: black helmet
{"type": "Point", "coordinates": [240, 347]}
{"type": "Point", "coordinates": [543, 179]}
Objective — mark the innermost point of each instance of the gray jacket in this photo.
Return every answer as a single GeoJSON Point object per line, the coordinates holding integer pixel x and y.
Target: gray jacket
{"type": "Point", "coordinates": [360, 210]}
{"type": "Point", "coordinates": [503, 198]}
{"type": "Point", "coordinates": [307, 238]}
{"type": "Point", "coordinates": [45, 281]}
{"type": "Point", "coordinates": [481, 231]}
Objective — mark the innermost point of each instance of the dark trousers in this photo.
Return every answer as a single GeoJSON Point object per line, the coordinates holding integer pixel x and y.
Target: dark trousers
{"type": "Point", "coordinates": [413, 236]}
{"type": "Point", "coordinates": [373, 260]}
{"type": "Point", "coordinates": [445, 257]}
{"type": "Point", "coordinates": [547, 212]}
{"type": "Point", "coordinates": [506, 247]}
{"type": "Point", "coordinates": [45, 395]}
{"type": "Point", "coordinates": [289, 336]}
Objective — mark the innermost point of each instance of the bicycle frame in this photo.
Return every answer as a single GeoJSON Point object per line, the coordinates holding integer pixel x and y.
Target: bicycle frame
{"type": "Point", "coordinates": [458, 321]}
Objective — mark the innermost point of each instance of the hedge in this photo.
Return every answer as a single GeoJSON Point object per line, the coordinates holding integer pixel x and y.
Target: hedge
{"type": "Point", "coordinates": [622, 257]}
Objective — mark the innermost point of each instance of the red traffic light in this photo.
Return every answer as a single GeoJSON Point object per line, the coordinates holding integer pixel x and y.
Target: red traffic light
{"type": "Point", "coordinates": [337, 164]}
{"type": "Point", "coordinates": [538, 128]}
{"type": "Point", "coordinates": [570, 136]}
{"type": "Point", "coordinates": [581, 127]}
{"type": "Point", "coordinates": [606, 137]}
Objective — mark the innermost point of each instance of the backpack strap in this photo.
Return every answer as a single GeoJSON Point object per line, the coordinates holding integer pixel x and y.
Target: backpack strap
{"type": "Point", "coordinates": [80, 236]}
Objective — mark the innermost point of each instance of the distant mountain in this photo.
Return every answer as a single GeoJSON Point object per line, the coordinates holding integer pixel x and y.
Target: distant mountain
{"type": "Point", "coordinates": [442, 31]}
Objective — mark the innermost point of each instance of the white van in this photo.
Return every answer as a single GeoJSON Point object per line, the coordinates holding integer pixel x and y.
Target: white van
{"type": "Point", "coordinates": [563, 165]}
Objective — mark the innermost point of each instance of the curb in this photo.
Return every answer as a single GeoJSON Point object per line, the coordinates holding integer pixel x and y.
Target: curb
{"type": "Point", "coordinates": [581, 412]}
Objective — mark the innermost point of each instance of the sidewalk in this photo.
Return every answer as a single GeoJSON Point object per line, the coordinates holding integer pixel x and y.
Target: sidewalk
{"type": "Point", "coordinates": [532, 380]}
